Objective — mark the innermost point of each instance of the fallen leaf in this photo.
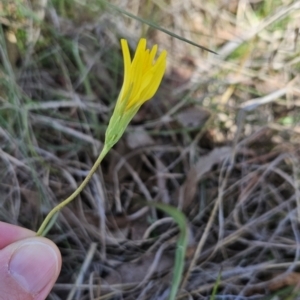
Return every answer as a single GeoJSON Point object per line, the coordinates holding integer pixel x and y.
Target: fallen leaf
{"type": "Point", "coordinates": [205, 163]}
{"type": "Point", "coordinates": [283, 281]}
{"type": "Point", "coordinates": [130, 272]}
{"type": "Point", "coordinates": [138, 137]}
{"type": "Point", "coordinates": [193, 117]}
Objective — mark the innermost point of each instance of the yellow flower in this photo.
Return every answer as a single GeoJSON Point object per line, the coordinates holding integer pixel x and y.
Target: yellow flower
{"type": "Point", "coordinates": [142, 77]}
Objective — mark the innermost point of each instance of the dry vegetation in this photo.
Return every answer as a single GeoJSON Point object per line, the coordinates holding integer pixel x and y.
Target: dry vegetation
{"type": "Point", "coordinates": [220, 141]}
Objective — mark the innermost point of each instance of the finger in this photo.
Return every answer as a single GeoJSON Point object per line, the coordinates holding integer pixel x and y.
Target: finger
{"type": "Point", "coordinates": [11, 233]}
{"type": "Point", "coordinates": [29, 269]}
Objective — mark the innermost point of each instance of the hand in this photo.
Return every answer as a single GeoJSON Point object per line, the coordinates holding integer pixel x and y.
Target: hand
{"type": "Point", "coordinates": [29, 265]}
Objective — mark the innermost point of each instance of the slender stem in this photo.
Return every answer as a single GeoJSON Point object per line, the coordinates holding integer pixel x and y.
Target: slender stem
{"type": "Point", "coordinates": [75, 193]}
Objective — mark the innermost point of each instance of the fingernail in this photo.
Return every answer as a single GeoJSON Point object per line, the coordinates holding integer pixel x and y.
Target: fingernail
{"type": "Point", "coordinates": [33, 265]}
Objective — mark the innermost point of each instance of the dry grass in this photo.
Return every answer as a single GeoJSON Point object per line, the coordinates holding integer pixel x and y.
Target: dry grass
{"type": "Point", "coordinates": [220, 141]}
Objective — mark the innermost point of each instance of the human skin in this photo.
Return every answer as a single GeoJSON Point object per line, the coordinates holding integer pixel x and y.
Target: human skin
{"type": "Point", "coordinates": [29, 265]}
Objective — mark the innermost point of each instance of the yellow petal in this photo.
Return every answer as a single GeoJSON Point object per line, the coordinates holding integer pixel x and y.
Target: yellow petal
{"type": "Point", "coordinates": [153, 81]}
{"type": "Point", "coordinates": [127, 67]}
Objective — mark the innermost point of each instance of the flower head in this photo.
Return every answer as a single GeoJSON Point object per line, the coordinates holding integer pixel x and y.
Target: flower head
{"type": "Point", "coordinates": [142, 77]}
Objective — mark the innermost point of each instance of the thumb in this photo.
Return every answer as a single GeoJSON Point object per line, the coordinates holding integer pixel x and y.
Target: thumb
{"type": "Point", "coordinates": [28, 269]}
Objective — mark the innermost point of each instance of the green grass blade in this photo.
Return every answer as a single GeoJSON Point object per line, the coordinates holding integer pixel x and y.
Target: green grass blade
{"type": "Point", "coordinates": [215, 289]}
{"type": "Point", "coordinates": [124, 12]}
{"type": "Point", "coordinates": [180, 219]}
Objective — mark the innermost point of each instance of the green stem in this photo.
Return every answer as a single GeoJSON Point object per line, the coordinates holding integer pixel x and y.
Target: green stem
{"type": "Point", "coordinates": [76, 192]}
